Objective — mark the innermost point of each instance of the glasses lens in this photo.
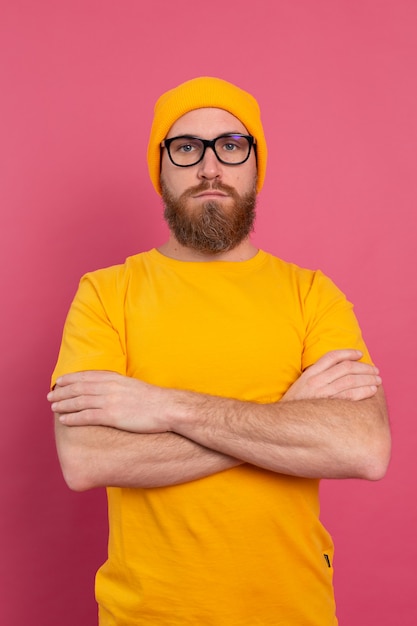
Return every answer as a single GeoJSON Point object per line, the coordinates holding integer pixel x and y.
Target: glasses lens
{"type": "Point", "coordinates": [232, 149]}
{"type": "Point", "coordinates": [186, 150]}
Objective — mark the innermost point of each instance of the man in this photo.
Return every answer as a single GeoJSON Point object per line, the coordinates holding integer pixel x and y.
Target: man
{"type": "Point", "coordinates": [209, 386]}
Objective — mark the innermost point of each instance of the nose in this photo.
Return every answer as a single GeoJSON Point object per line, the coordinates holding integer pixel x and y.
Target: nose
{"type": "Point", "coordinates": [209, 167]}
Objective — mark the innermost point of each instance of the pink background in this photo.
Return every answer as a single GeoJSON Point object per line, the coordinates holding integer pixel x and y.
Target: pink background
{"type": "Point", "coordinates": [336, 81]}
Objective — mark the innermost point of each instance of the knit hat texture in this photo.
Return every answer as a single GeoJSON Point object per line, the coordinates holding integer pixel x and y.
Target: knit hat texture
{"type": "Point", "coordinates": [204, 92]}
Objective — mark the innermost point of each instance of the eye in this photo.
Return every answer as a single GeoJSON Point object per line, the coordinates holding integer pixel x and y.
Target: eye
{"type": "Point", "coordinates": [233, 143]}
{"type": "Point", "coordinates": [185, 146]}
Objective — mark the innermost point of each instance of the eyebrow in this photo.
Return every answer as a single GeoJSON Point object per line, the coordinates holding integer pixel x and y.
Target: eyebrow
{"type": "Point", "coordinates": [226, 132]}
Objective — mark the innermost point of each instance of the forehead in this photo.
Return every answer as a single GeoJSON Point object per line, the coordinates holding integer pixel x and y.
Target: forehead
{"type": "Point", "coordinates": [206, 123]}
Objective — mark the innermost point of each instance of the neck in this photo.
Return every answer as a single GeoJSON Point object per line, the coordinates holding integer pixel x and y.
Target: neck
{"type": "Point", "coordinates": [173, 249]}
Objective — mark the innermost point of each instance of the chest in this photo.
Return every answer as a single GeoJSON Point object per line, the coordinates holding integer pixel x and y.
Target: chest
{"type": "Point", "coordinates": [225, 337]}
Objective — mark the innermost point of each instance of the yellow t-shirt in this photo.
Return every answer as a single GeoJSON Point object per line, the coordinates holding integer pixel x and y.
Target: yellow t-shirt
{"type": "Point", "coordinates": [244, 546]}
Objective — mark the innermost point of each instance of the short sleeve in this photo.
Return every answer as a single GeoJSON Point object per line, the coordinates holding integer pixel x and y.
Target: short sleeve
{"type": "Point", "coordinates": [330, 322]}
{"type": "Point", "coordinates": [93, 336]}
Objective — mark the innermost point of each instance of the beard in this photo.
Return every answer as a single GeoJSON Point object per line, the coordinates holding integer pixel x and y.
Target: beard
{"type": "Point", "coordinates": [210, 228]}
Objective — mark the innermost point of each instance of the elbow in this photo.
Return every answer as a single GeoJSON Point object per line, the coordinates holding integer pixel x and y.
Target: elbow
{"type": "Point", "coordinates": [375, 471]}
{"type": "Point", "coordinates": [376, 459]}
{"type": "Point", "coordinates": [76, 469]}
{"type": "Point", "coordinates": [75, 476]}
{"type": "Point", "coordinates": [77, 462]}
{"type": "Point", "coordinates": [75, 479]}
{"type": "Point", "coordinates": [376, 452]}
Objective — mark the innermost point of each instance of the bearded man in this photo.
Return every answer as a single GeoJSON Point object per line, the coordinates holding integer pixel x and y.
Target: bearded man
{"type": "Point", "coordinates": [209, 385]}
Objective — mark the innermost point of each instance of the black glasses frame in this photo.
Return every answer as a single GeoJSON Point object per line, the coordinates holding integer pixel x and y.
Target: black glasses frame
{"type": "Point", "coordinates": [209, 143]}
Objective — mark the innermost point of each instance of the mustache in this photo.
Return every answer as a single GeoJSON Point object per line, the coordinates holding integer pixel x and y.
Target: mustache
{"type": "Point", "coordinates": [205, 185]}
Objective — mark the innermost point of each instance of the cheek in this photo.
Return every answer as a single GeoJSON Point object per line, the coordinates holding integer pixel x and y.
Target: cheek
{"type": "Point", "coordinates": [253, 168]}
{"type": "Point", "coordinates": [246, 178]}
{"type": "Point", "coordinates": [168, 180]}
{"type": "Point", "coordinates": [245, 182]}
{"type": "Point", "coordinates": [176, 179]}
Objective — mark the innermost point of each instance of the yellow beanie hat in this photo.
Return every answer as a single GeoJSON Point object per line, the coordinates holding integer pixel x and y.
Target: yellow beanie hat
{"type": "Point", "coordinates": [201, 93]}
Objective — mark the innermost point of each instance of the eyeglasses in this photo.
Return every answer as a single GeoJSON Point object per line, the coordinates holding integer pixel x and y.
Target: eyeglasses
{"type": "Point", "coordinates": [230, 149]}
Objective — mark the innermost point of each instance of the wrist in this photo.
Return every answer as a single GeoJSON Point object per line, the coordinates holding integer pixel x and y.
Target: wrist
{"type": "Point", "coordinates": [183, 410]}
{"type": "Point", "coordinates": [169, 404]}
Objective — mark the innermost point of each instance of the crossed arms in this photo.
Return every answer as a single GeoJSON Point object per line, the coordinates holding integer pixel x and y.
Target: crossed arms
{"type": "Point", "coordinates": [112, 430]}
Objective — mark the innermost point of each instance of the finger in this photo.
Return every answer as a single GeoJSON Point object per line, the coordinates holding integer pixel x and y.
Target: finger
{"type": "Point", "coordinates": [90, 417]}
{"type": "Point", "coordinates": [358, 393]}
{"type": "Point", "coordinates": [62, 393]}
{"type": "Point", "coordinates": [347, 370]}
{"type": "Point", "coordinates": [81, 386]}
{"type": "Point", "coordinates": [353, 381]}
{"type": "Point", "coordinates": [76, 404]}
{"type": "Point", "coordinates": [86, 376]}
{"type": "Point", "coordinates": [332, 358]}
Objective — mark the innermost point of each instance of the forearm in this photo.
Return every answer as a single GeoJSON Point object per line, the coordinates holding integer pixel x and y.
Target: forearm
{"type": "Point", "coordinates": [331, 423]}
{"type": "Point", "coordinates": [324, 438]}
{"type": "Point", "coordinates": [100, 456]}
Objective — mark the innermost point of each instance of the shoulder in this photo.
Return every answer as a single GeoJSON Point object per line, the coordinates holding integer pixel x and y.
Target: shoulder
{"type": "Point", "coordinates": [304, 278]}
{"type": "Point", "coordinates": [116, 277]}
